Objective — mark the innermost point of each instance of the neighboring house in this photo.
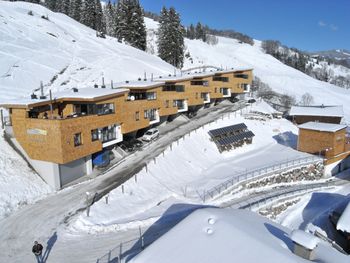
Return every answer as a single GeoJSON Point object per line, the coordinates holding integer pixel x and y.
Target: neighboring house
{"type": "Point", "coordinates": [322, 113]}
{"type": "Point", "coordinates": [210, 235]}
{"type": "Point", "coordinates": [326, 139]}
{"type": "Point", "coordinates": [61, 134]}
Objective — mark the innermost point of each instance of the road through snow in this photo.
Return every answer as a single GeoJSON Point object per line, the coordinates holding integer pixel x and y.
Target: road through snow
{"type": "Point", "coordinates": [49, 216]}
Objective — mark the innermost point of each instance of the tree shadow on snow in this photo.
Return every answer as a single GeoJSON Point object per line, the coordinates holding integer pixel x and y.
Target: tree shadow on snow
{"type": "Point", "coordinates": [280, 234]}
{"type": "Point", "coordinates": [287, 139]}
{"type": "Point", "coordinates": [173, 215]}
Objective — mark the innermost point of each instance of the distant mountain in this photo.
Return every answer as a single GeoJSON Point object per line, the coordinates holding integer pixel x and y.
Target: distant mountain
{"type": "Point", "coordinates": [336, 54]}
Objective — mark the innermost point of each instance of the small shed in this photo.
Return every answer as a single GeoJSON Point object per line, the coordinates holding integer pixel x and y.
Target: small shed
{"type": "Point", "coordinates": [304, 244]}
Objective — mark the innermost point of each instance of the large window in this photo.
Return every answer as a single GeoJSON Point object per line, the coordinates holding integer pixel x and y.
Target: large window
{"type": "Point", "coordinates": [241, 75]}
{"type": "Point", "coordinates": [177, 88]}
{"type": "Point", "coordinates": [137, 116]}
{"type": "Point", "coordinates": [150, 114]}
{"type": "Point", "coordinates": [199, 83]}
{"type": "Point", "coordinates": [85, 109]}
{"type": "Point", "coordinates": [151, 95]}
{"type": "Point", "coordinates": [218, 78]}
{"type": "Point", "coordinates": [106, 108]}
{"type": "Point", "coordinates": [108, 133]}
{"type": "Point", "coordinates": [77, 139]}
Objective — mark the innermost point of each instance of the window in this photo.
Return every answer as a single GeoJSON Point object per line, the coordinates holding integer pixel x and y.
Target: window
{"type": "Point", "coordinates": [218, 78]}
{"type": "Point", "coordinates": [151, 95]}
{"type": "Point", "coordinates": [199, 83]}
{"type": "Point", "coordinates": [137, 116]}
{"type": "Point", "coordinates": [106, 108]}
{"type": "Point", "coordinates": [171, 87]}
{"type": "Point", "coordinates": [241, 76]}
{"type": "Point", "coordinates": [94, 135]}
{"type": "Point", "coordinates": [77, 139]}
{"type": "Point", "coordinates": [150, 114]}
{"type": "Point", "coordinates": [108, 133]}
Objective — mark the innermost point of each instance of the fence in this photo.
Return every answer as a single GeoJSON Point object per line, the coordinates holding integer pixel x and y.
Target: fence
{"type": "Point", "coordinates": [255, 174]}
{"type": "Point", "coordinates": [125, 250]}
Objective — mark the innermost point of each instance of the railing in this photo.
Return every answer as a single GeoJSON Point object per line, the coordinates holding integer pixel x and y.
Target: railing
{"type": "Point", "coordinates": [256, 173]}
{"type": "Point", "coordinates": [125, 250]}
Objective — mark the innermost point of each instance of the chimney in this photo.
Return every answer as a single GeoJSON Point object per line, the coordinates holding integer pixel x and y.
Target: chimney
{"type": "Point", "coordinates": [75, 89]}
{"type": "Point", "coordinates": [111, 83]}
{"type": "Point", "coordinates": [95, 86]}
{"type": "Point", "coordinates": [33, 96]}
{"type": "Point", "coordinates": [145, 76]}
{"type": "Point", "coordinates": [42, 96]}
{"type": "Point", "coordinates": [103, 83]}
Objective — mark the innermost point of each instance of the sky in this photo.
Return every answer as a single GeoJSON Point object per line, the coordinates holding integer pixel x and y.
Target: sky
{"type": "Point", "coordinates": [309, 25]}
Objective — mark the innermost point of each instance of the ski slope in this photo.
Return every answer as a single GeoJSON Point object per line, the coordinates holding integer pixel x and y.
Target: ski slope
{"type": "Point", "coordinates": [283, 79]}
{"type": "Point", "coordinates": [62, 53]}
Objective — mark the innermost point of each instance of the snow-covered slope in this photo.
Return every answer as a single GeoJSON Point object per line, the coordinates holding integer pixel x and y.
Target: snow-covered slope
{"type": "Point", "coordinates": [61, 52]}
{"type": "Point", "coordinates": [280, 77]}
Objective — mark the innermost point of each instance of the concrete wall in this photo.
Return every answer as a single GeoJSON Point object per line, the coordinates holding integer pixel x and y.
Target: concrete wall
{"type": "Point", "coordinates": [49, 172]}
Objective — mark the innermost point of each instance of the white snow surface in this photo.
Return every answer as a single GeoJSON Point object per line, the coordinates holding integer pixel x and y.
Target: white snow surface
{"type": "Point", "coordinates": [19, 185]}
{"type": "Point", "coordinates": [307, 240]}
{"type": "Point", "coordinates": [344, 221]}
{"type": "Point", "coordinates": [320, 126]}
{"type": "Point", "coordinates": [222, 235]}
{"type": "Point", "coordinates": [34, 49]}
{"type": "Point", "coordinates": [283, 79]}
{"type": "Point", "coordinates": [331, 111]}
{"type": "Point", "coordinates": [187, 170]}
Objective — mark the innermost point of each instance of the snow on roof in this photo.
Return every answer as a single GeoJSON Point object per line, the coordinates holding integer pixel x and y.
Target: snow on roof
{"type": "Point", "coordinates": [321, 126]}
{"type": "Point", "coordinates": [305, 239]}
{"type": "Point", "coordinates": [329, 111]}
{"type": "Point", "coordinates": [142, 84]}
{"type": "Point", "coordinates": [344, 220]}
{"type": "Point", "coordinates": [220, 235]}
{"type": "Point", "coordinates": [85, 93]}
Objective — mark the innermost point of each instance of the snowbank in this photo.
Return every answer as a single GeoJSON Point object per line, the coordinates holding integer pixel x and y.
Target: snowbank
{"type": "Point", "coordinates": [305, 239]}
{"type": "Point", "coordinates": [344, 221]}
{"type": "Point", "coordinates": [19, 185]}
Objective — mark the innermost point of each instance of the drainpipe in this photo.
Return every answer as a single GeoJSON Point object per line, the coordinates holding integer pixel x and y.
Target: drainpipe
{"type": "Point", "coordinates": [51, 108]}
{"type": "Point", "coordinates": [2, 119]}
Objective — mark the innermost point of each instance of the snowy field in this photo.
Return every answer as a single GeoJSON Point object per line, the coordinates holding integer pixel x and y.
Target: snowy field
{"type": "Point", "coordinates": [191, 167]}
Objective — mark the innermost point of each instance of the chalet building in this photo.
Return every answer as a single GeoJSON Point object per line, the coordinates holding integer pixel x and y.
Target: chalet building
{"type": "Point", "coordinates": [62, 135]}
{"type": "Point", "coordinates": [327, 114]}
{"type": "Point", "coordinates": [328, 140]}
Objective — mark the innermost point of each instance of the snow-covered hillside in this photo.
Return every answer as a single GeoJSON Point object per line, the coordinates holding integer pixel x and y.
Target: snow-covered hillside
{"type": "Point", "coordinates": [61, 52]}
{"type": "Point", "coordinates": [280, 77]}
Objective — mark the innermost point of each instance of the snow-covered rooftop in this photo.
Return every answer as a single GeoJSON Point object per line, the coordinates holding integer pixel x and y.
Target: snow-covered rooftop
{"type": "Point", "coordinates": [329, 111]}
{"type": "Point", "coordinates": [221, 235]}
{"type": "Point", "coordinates": [344, 221]}
{"type": "Point", "coordinates": [305, 239]}
{"type": "Point", "coordinates": [83, 94]}
{"type": "Point", "coordinates": [142, 84]}
{"type": "Point", "coordinates": [321, 126]}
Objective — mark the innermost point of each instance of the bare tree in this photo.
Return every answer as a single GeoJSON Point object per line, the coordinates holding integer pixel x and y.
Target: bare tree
{"type": "Point", "coordinates": [307, 99]}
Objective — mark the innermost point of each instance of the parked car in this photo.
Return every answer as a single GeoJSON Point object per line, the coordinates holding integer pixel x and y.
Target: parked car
{"type": "Point", "coordinates": [150, 135]}
{"type": "Point", "coordinates": [251, 100]}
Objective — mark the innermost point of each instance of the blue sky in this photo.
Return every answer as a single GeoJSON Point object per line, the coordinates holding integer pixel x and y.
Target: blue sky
{"type": "Point", "coordinates": [310, 25]}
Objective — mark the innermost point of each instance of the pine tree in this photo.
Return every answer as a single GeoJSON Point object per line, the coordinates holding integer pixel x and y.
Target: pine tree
{"type": "Point", "coordinates": [51, 4]}
{"type": "Point", "coordinates": [191, 32]}
{"type": "Point", "coordinates": [75, 9]}
{"type": "Point", "coordinates": [130, 25]}
{"type": "Point", "coordinates": [88, 13]}
{"type": "Point", "coordinates": [170, 37]}
{"type": "Point", "coordinates": [109, 13]}
{"type": "Point", "coordinates": [99, 24]}
{"type": "Point", "coordinates": [200, 33]}
{"type": "Point", "coordinates": [63, 6]}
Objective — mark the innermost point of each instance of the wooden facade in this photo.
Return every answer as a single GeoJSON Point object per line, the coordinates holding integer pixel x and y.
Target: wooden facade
{"type": "Point", "coordinates": [47, 129]}
{"type": "Point", "coordinates": [333, 145]}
